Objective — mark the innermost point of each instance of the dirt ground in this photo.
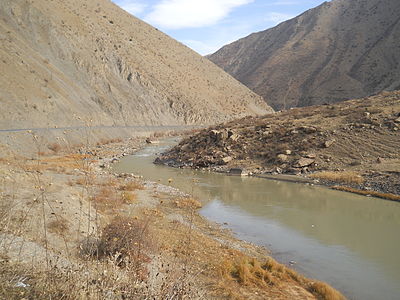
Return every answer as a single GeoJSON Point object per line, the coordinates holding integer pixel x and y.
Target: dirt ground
{"type": "Point", "coordinates": [71, 229]}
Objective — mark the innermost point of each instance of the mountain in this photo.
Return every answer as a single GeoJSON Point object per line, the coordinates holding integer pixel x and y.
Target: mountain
{"type": "Point", "coordinates": [67, 62]}
{"type": "Point", "coordinates": [339, 50]}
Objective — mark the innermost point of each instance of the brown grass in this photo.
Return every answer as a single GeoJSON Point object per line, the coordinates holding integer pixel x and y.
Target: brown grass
{"type": "Point", "coordinates": [110, 199]}
{"type": "Point", "coordinates": [386, 196]}
{"type": "Point", "coordinates": [324, 291]}
{"type": "Point", "coordinates": [251, 272]}
{"type": "Point", "coordinates": [59, 226]}
{"type": "Point", "coordinates": [127, 238]}
{"type": "Point", "coordinates": [247, 271]}
{"type": "Point", "coordinates": [108, 141]}
{"type": "Point", "coordinates": [131, 186]}
{"type": "Point", "coordinates": [348, 177]}
{"type": "Point", "coordinates": [188, 203]}
{"type": "Point", "coordinates": [128, 197]}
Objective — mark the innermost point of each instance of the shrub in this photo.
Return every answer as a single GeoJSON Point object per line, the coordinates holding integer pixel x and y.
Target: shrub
{"type": "Point", "coordinates": [127, 239]}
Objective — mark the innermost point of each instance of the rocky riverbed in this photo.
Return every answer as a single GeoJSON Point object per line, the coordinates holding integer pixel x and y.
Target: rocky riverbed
{"type": "Point", "coordinates": [354, 143]}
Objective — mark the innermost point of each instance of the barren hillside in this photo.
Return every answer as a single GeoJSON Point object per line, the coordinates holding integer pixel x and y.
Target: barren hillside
{"type": "Point", "coordinates": [342, 49]}
{"type": "Point", "coordinates": [64, 63]}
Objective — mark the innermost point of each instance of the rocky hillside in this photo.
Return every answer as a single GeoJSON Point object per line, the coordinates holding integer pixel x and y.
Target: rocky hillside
{"type": "Point", "coordinates": [361, 136]}
{"type": "Point", "coordinates": [64, 63]}
{"type": "Point", "coordinates": [342, 49]}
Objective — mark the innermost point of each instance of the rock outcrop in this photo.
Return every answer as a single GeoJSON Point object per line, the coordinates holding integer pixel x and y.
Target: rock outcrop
{"type": "Point", "coordinates": [302, 140]}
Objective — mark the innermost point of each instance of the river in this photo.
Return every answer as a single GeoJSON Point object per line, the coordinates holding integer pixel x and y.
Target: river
{"type": "Point", "coordinates": [350, 241]}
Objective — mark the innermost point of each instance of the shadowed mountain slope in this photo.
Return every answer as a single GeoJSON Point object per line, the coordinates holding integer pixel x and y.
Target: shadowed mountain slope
{"type": "Point", "coordinates": [68, 62]}
{"type": "Point", "coordinates": [339, 50]}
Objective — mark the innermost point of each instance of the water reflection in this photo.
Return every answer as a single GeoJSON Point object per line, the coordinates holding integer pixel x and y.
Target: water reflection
{"type": "Point", "coordinates": [347, 240]}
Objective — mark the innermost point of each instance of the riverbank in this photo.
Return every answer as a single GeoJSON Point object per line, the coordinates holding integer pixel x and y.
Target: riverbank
{"type": "Point", "coordinates": [66, 219]}
{"type": "Point", "coordinates": [352, 144]}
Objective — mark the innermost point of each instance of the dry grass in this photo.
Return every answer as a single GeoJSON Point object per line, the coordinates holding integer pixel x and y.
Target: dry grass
{"type": "Point", "coordinates": [246, 271]}
{"type": "Point", "coordinates": [251, 272]}
{"type": "Point", "coordinates": [323, 291]}
{"type": "Point", "coordinates": [59, 226]}
{"type": "Point", "coordinates": [108, 141]}
{"type": "Point", "coordinates": [348, 177]}
{"type": "Point", "coordinates": [386, 196]}
{"type": "Point", "coordinates": [188, 203]}
{"type": "Point", "coordinates": [127, 239]}
{"type": "Point", "coordinates": [128, 197]}
{"type": "Point", "coordinates": [131, 186]}
{"type": "Point", "coordinates": [109, 198]}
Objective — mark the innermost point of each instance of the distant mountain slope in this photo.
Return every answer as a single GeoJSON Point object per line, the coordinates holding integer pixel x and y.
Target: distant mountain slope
{"type": "Point", "coordinates": [339, 50]}
{"type": "Point", "coordinates": [64, 61]}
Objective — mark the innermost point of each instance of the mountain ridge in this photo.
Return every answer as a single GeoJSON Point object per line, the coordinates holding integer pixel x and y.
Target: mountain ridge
{"type": "Point", "coordinates": [337, 51]}
{"type": "Point", "coordinates": [69, 63]}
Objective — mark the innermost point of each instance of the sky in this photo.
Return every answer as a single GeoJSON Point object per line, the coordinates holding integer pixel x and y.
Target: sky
{"type": "Point", "coordinates": [207, 25]}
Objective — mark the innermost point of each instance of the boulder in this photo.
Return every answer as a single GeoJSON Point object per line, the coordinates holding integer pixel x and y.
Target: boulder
{"type": "Point", "coordinates": [328, 143]}
{"type": "Point", "coordinates": [185, 147]}
{"type": "Point", "coordinates": [282, 157]}
{"type": "Point", "coordinates": [304, 162]}
{"type": "Point", "coordinates": [237, 171]}
{"type": "Point", "coordinates": [218, 135]}
{"type": "Point", "coordinates": [310, 155]}
{"type": "Point", "coordinates": [227, 159]}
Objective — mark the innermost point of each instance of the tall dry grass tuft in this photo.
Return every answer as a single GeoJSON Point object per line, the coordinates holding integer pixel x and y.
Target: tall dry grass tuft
{"type": "Point", "coordinates": [250, 271]}
{"type": "Point", "coordinates": [131, 186]}
{"type": "Point", "coordinates": [386, 196]}
{"type": "Point", "coordinates": [348, 177]}
{"type": "Point", "coordinates": [324, 291]}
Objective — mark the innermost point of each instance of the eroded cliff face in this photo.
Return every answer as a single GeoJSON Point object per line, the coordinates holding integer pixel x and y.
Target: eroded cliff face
{"type": "Point", "coordinates": [66, 63]}
{"type": "Point", "coordinates": [339, 50]}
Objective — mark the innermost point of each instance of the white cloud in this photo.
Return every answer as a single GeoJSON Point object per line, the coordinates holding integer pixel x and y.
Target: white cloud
{"type": "Point", "coordinates": [277, 18]}
{"type": "Point", "coordinates": [177, 14]}
{"type": "Point", "coordinates": [132, 7]}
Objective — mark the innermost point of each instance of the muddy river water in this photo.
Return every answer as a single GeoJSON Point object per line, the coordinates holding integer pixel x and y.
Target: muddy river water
{"type": "Point", "coordinates": [350, 241]}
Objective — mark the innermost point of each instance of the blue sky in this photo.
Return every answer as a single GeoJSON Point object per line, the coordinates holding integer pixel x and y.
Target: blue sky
{"type": "Point", "coordinates": [207, 25]}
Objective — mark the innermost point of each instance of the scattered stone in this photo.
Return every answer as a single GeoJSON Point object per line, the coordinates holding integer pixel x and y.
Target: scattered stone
{"type": "Point", "coordinates": [237, 171]}
{"type": "Point", "coordinates": [397, 120]}
{"type": "Point", "coordinates": [310, 155]}
{"type": "Point", "coordinates": [227, 159]}
{"type": "Point", "coordinates": [288, 152]}
{"type": "Point", "coordinates": [329, 143]}
{"type": "Point", "coordinates": [304, 162]}
{"type": "Point", "coordinates": [282, 157]}
{"type": "Point", "coordinates": [234, 137]}
{"type": "Point", "coordinates": [185, 147]}
{"type": "Point", "coordinates": [308, 129]}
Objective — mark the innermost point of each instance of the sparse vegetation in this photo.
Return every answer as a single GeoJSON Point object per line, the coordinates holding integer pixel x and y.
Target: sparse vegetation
{"type": "Point", "coordinates": [131, 186]}
{"type": "Point", "coordinates": [250, 271]}
{"type": "Point", "coordinates": [387, 196]}
{"type": "Point", "coordinates": [348, 177]}
{"type": "Point", "coordinates": [188, 203]}
{"type": "Point", "coordinates": [59, 226]}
